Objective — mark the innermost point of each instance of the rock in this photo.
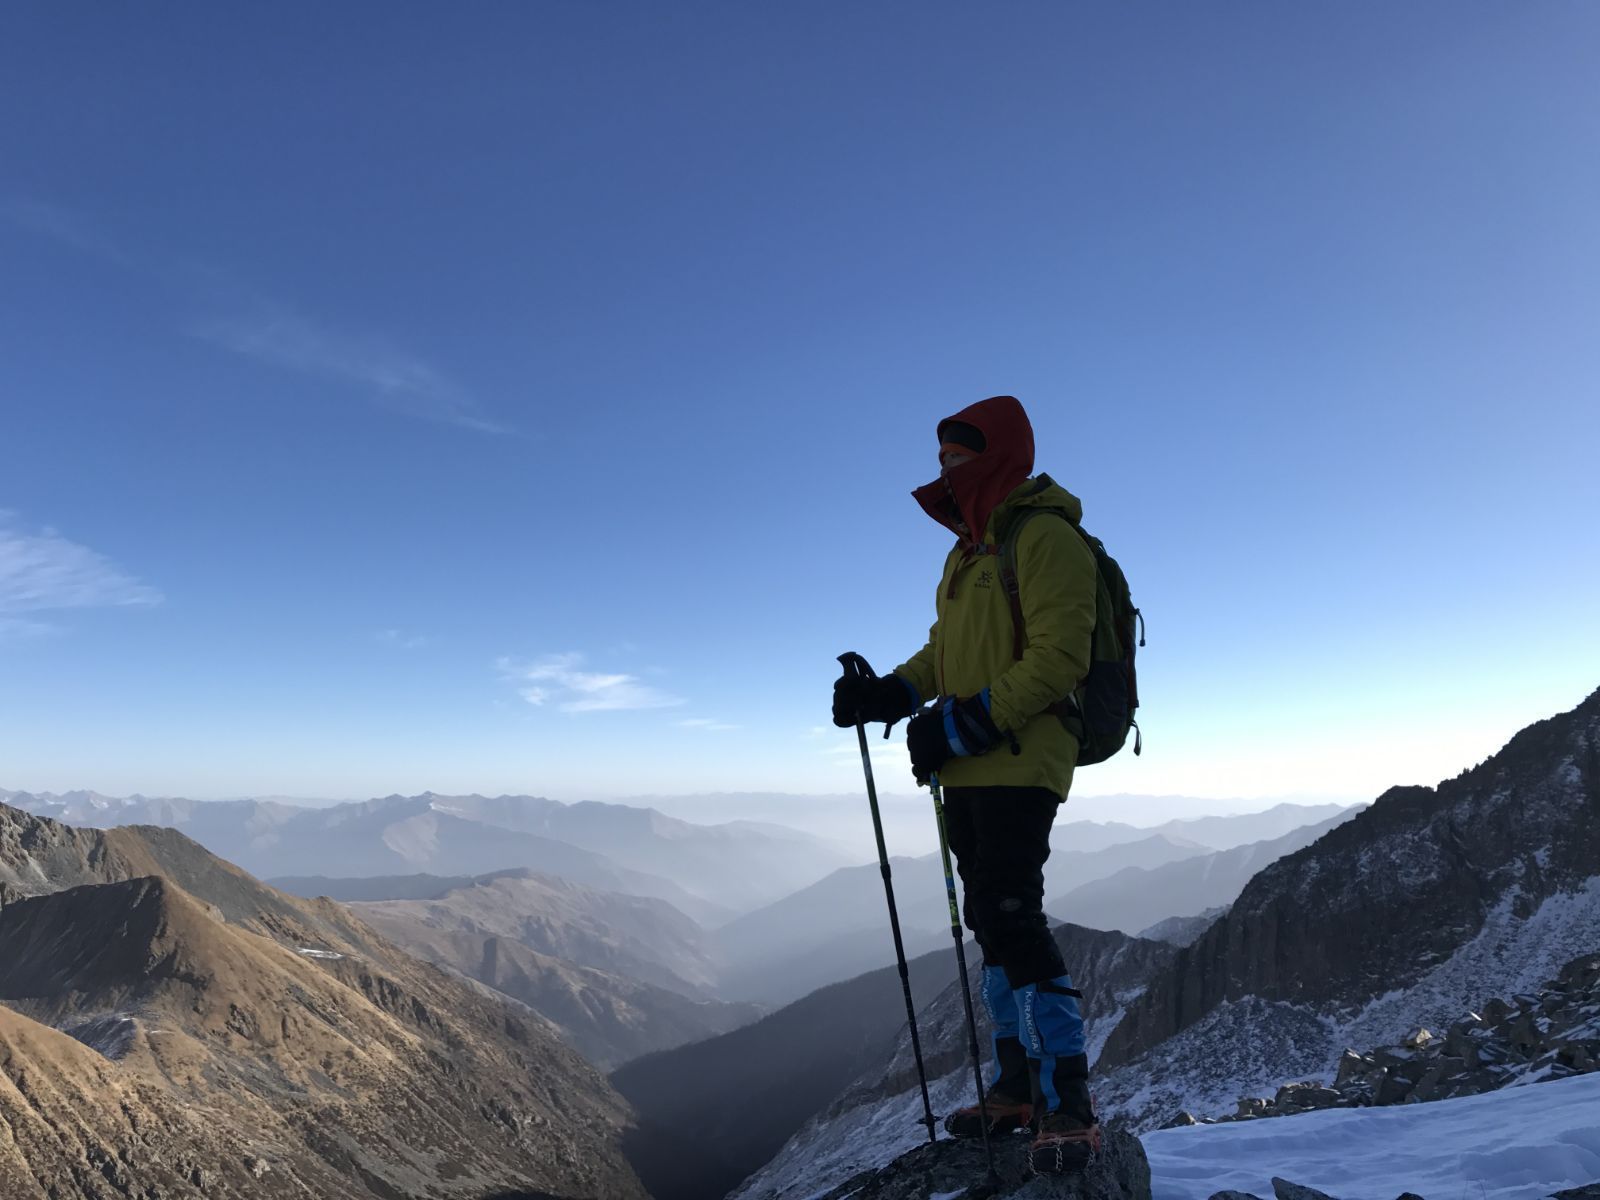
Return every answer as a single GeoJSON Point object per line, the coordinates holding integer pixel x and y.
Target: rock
{"type": "Point", "coordinates": [1444, 1068]}
{"type": "Point", "coordinates": [1393, 1088]}
{"type": "Point", "coordinates": [1233, 1196]}
{"type": "Point", "coordinates": [957, 1167]}
{"type": "Point", "coordinates": [1457, 1039]}
{"type": "Point", "coordinates": [1393, 1056]}
{"type": "Point", "coordinates": [1353, 1066]}
{"type": "Point", "coordinates": [1253, 1106]}
{"type": "Point", "coordinates": [1408, 1196]}
{"type": "Point", "coordinates": [1589, 1191]}
{"type": "Point", "coordinates": [1182, 1120]}
{"type": "Point", "coordinates": [1575, 1055]}
{"type": "Point", "coordinates": [1284, 1190]}
{"type": "Point", "coordinates": [1300, 1097]}
{"type": "Point", "coordinates": [1417, 1038]}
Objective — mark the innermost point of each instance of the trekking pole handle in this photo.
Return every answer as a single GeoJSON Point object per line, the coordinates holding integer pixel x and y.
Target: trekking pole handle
{"type": "Point", "coordinates": [854, 664]}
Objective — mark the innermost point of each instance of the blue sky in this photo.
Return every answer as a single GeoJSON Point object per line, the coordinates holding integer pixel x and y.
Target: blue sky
{"type": "Point", "coordinates": [368, 373]}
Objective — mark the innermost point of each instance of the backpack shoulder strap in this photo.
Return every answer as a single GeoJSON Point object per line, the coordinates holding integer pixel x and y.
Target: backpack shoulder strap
{"type": "Point", "coordinates": [1007, 553]}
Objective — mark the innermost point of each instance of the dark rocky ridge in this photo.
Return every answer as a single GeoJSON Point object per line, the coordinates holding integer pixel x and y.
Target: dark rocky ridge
{"type": "Point", "coordinates": [1375, 902]}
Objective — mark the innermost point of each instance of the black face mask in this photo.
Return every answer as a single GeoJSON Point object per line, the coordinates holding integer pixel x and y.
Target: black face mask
{"type": "Point", "coordinates": [959, 433]}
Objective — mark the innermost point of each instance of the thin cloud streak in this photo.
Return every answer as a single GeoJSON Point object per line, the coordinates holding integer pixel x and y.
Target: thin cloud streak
{"type": "Point", "coordinates": [560, 680]}
{"type": "Point", "coordinates": [709, 724]}
{"type": "Point", "coordinates": [399, 639]}
{"type": "Point", "coordinates": [60, 225]}
{"type": "Point", "coordinates": [44, 572]}
{"type": "Point", "coordinates": [16, 628]}
{"type": "Point", "coordinates": [403, 383]}
{"type": "Point", "coordinates": [271, 333]}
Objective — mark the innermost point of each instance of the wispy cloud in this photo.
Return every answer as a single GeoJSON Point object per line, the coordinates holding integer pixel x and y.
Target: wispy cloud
{"type": "Point", "coordinates": [400, 639]}
{"type": "Point", "coordinates": [17, 628]}
{"type": "Point", "coordinates": [561, 681]}
{"type": "Point", "coordinates": [709, 724]}
{"type": "Point", "coordinates": [400, 381]}
{"type": "Point", "coordinates": [61, 225]}
{"type": "Point", "coordinates": [265, 330]}
{"type": "Point", "coordinates": [44, 572]}
{"type": "Point", "coordinates": [841, 746]}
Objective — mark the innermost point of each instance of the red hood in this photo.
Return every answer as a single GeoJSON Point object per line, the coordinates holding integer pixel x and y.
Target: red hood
{"type": "Point", "coordinates": [970, 492]}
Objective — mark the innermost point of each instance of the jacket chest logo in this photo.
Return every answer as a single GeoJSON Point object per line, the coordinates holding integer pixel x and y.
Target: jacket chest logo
{"type": "Point", "coordinates": [985, 578]}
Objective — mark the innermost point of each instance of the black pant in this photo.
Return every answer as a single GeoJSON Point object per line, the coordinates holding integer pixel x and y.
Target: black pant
{"type": "Point", "coordinates": [1001, 839]}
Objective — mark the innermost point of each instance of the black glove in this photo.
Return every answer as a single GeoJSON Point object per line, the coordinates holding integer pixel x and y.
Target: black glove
{"type": "Point", "coordinates": [859, 697]}
{"type": "Point", "coordinates": [949, 729]}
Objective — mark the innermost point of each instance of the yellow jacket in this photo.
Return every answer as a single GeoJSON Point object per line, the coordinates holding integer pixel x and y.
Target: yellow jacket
{"type": "Point", "coordinates": [970, 644]}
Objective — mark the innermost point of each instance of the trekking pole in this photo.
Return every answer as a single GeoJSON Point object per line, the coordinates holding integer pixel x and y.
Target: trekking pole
{"type": "Point", "coordinates": [854, 664]}
{"type": "Point", "coordinates": [993, 1179]}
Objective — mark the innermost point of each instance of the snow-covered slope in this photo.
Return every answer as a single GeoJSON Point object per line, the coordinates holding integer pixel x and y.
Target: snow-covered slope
{"type": "Point", "coordinates": [1250, 1046]}
{"type": "Point", "coordinates": [1518, 1144]}
{"type": "Point", "coordinates": [1418, 909]}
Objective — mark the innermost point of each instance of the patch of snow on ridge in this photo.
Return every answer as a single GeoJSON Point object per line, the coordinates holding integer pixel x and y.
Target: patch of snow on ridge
{"type": "Point", "coordinates": [311, 952]}
{"type": "Point", "coordinates": [1241, 1048]}
{"type": "Point", "coordinates": [1519, 1144]}
{"type": "Point", "coordinates": [1250, 1047]}
{"type": "Point", "coordinates": [1510, 954]}
{"type": "Point", "coordinates": [827, 1152]}
{"type": "Point", "coordinates": [1098, 1032]}
{"type": "Point", "coordinates": [108, 1034]}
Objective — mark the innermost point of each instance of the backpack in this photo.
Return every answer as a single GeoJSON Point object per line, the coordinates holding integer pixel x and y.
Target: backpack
{"type": "Point", "coordinates": [1099, 711]}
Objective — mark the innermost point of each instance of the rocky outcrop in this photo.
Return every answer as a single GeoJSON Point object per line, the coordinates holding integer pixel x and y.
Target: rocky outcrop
{"type": "Point", "coordinates": [952, 1168]}
{"type": "Point", "coordinates": [1183, 931]}
{"type": "Point", "coordinates": [1380, 899]}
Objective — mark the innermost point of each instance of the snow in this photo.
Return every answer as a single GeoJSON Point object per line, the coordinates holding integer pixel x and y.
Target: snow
{"type": "Point", "coordinates": [1508, 955]}
{"type": "Point", "coordinates": [1098, 1032]}
{"type": "Point", "coordinates": [108, 1034]}
{"type": "Point", "coordinates": [1248, 1047]}
{"type": "Point", "coordinates": [311, 952]}
{"type": "Point", "coordinates": [820, 1157]}
{"type": "Point", "coordinates": [1519, 1143]}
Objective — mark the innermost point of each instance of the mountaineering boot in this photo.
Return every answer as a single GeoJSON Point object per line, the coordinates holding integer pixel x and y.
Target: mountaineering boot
{"type": "Point", "coordinates": [1066, 1135]}
{"type": "Point", "coordinates": [1007, 1100]}
{"type": "Point", "coordinates": [1008, 1097]}
{"type": "Point", "coordinates": [1066, 1138]}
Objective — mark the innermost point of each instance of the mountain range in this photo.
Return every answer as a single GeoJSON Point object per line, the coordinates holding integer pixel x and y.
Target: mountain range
{"type": "Point", "coordinates": [172, 1026]}
{"type": "Point", "coordinates": [708, 872]}
{"type": "Point", "coordinates": [1137, 896]}
{"type": "Point", "coordinates": [620, 976]}
{"type": "Point", "coordinates": [1121, 877]}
